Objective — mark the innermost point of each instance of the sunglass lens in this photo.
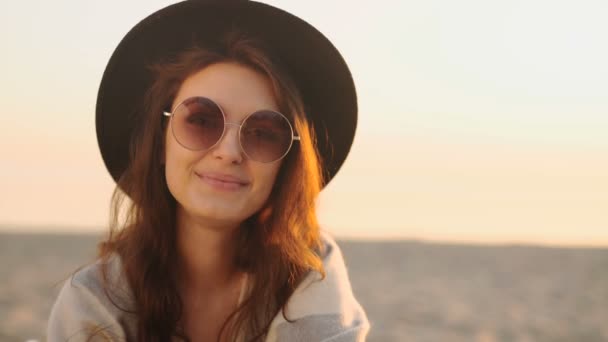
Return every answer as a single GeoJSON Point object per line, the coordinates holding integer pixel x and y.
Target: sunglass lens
{"type": "Point", "coordinates": [266, 136]}
{"type": "Point", "coordinates": [199, 123]}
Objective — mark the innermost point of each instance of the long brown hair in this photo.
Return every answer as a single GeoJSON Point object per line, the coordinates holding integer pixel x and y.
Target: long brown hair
{"type": "Point", "coordinates": [278, 245]}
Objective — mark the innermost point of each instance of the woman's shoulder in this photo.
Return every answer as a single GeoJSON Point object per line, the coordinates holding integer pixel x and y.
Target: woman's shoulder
{"type": "Point", "coordinates": [336, 283]}
{"type": "Point", "coordinates": [323, 308]}
{"type": "Point", "coordinates": [104, 279]}
{"type": "Point", "coordinates": [91, 276]}
{"type": "Point", "coordinates": [330, 247]}
{"type": "Point", "coordinates": [90, 303]}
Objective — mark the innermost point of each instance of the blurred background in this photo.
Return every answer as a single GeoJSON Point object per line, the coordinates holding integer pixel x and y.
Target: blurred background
{"type": "Point", "coordinates": [473, 205]}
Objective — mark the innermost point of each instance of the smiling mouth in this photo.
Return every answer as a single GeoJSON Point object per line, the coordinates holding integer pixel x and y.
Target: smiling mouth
{"type": "Point", "coordinates": [220, 184]}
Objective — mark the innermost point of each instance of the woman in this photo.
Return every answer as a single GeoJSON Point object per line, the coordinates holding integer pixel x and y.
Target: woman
{"type": "Point", "coordinates": [220, 122]}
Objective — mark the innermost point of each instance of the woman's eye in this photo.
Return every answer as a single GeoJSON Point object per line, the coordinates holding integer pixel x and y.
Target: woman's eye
{"type": "Point", "coordinates": [261, 133]}
{"type": "Point", "coordinates": [197, 121]}
{"type": "Point", "coordinates": [201, 120]}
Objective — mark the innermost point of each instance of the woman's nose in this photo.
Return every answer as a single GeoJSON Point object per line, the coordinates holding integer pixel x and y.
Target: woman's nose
{"type": "Point", "coordinates": [229, 148]}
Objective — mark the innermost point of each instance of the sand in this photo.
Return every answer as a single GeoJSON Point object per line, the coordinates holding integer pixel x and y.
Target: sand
{"type": "Point", "coordinates": [411, 291]}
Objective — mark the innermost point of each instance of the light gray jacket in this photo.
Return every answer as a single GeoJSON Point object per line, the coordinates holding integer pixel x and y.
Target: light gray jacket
{"type": "Point", "coordinates": [323, 310]}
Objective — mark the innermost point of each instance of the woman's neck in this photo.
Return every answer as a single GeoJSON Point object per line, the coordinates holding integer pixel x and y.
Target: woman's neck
{"type": "Point", "coordinates": [206, 254]}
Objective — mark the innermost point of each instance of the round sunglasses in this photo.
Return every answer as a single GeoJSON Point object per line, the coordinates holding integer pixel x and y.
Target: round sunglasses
{"type": "Point", "coordinates": [198, 124]}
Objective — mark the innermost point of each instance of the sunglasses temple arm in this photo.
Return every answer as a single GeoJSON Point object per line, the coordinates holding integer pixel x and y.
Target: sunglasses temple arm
{"type": "Point", "coordinates": [167, 114]}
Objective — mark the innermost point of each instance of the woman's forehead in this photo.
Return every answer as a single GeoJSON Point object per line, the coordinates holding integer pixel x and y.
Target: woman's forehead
{"type": "Point", "coordinates": [238, 89]}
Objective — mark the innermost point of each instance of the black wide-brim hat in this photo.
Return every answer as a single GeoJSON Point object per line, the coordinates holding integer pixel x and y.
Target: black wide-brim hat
{"type": "Point", "coordinates": [312, 61]}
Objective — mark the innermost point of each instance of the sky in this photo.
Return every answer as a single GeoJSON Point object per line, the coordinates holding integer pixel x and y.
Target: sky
{"type": "Point", "coordinates": [479, 121]}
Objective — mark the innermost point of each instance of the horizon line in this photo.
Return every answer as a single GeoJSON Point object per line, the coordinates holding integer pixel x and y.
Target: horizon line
{"type": "Point", "coordinates": [25, 229]}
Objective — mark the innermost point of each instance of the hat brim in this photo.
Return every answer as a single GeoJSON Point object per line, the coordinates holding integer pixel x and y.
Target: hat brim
{"type": "Point", "coordinates": [315, 65]}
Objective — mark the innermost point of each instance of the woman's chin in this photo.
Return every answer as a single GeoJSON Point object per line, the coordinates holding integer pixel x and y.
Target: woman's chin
{"type": "Point", "coordinates": [217, 216]}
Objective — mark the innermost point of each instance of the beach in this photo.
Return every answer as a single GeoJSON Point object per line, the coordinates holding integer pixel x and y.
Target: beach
{"type": "Point", "coordinates": [411, 291]}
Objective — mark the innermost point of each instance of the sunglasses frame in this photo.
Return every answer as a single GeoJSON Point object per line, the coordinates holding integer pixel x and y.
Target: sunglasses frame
{"type": "Point", "coordinates": [226, 122]}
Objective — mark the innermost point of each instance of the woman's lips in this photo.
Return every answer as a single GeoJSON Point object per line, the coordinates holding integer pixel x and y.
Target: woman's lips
{"type": "Point", "coordinates": [222, 181]}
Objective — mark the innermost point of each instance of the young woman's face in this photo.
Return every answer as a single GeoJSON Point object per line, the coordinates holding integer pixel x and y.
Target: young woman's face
{"type": "Point", "coordinates": [195, 178]}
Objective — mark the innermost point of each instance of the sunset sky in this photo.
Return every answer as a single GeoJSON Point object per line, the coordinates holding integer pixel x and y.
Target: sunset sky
{"type": "Point", "coordinates": [482, 121]}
